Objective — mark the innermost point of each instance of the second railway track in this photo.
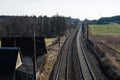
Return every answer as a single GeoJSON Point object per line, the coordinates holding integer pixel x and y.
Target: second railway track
{"type": "Point", "coordinates": [63, 68]}
{"type": "Point", "coordinates": [72, 61]}
{"type": "Point", "coordinates": [86, 69]}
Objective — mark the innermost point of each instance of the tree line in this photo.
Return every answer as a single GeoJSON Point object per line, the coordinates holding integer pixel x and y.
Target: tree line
{"type": "Point", "coordinates": [44, 26]}
{"type": "Point", "coordinates": [106, 20]}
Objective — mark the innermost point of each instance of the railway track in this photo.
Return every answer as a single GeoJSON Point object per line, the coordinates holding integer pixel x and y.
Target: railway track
{"type": "Point", "coordinates": [75, 72]}
{"type": "Point", "coordinates": [72, 62]}
{"type": "Point", "coordinates": [61, 67]}
{"type": "Point", "coordinates": [86, 69]}
{"type": "Point", "coordinates": [63, 70]}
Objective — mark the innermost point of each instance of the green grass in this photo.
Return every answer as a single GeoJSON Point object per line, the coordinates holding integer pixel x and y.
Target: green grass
{"type": "Point", "coordinates": [0, 43]}
{"type": "Point", "coordinates": [106, 29]}
{"type": "Point", "coordinates": [118, 49]}
{"type": "Point", "coordinates": [49, 41]}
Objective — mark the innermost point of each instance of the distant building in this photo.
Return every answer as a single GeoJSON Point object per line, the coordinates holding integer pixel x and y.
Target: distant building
{"type": "Point", "coordinates": [25, 70]}
{"type": "Point", "coordinates": [26, 44]}
{"type": "Point", "coordinates": [10, 59]}
{"type": "Point", "coordinates": [8, 42]}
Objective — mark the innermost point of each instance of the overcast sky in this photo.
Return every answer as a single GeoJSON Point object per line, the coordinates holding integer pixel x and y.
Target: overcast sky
{"type": "Point", "coordinates": [90, 9]}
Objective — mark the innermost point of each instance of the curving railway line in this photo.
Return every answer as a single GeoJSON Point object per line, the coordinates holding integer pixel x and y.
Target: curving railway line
{"type": "Point", "coordinates": [72, 62]}
{"type": "Point", "coordinates": [86, 69]}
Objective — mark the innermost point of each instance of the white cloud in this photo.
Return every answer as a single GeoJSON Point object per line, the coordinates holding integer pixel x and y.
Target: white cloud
{"type": "Point", "coordinates": [76, 8]}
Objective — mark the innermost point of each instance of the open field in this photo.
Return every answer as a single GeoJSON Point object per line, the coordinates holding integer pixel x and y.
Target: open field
{"type": "Point", "coordinates": [109, 40]}
{"type": "Point", "coordinates": [118, 49]}
{"type": "Point", "coordinates": [109, 60]}
{"type": "Point", "coordinates": [105, 29]}
{"type": "Point", "coordinates": [0, 43]}
{"type": "Point", "coordinates": [49, 41]}
{"type": "Point", "coordinates": [109, 35]}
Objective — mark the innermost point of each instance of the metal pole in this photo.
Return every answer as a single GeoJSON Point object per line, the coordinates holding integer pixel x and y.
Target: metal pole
{"type": "Point", "coordinates": [87, 31]}
{"type": "Point", "coordinates": [107, 29]}
{"type": "Point", "coordinates": [58, 30]}
{"type": "Point", "coordinates": [34, 57]}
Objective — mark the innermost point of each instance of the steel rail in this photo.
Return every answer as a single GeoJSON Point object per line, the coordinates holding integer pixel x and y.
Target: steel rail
{"type": "Point", "coordinates": [87, 71]}
{"type": "Point", "coordinates": [61, 67]}
{"type": "Point", "coordinates": [65, 59]}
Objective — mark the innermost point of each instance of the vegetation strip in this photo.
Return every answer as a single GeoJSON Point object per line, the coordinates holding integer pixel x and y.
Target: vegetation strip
{"type": "Point", "coordinates": [105, 29]}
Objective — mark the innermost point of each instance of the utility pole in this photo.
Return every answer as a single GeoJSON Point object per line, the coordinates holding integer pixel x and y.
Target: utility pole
{"type": "Point", "coordinates": [107, 29]}
{"type": "Point", "coordinates": [58, 23]}
{"type": "Point", "coordinates": [87, 30]}
{"type": "Point", "coordinates": [42, 25]}
{"type": "Point", "coordinates": [83, 32]}
{"type": "Point", "coordinates": [34, 55]}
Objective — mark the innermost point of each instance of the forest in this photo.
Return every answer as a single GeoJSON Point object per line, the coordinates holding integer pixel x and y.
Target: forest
{"type": "Point", "coordinates": [106, 20]}
{"type": "Point", "coordinates": [22, 26]}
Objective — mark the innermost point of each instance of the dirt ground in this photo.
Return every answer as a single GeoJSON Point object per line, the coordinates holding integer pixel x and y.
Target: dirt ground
{"type": "Point", "coordinates": [51, 57]}
{"type": "Point", "coordinates": [111, 59]}
{"type": "Point", "coordinates": [112, 41]}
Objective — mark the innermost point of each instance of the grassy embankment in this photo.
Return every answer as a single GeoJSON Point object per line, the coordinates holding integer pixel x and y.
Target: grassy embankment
{"type": "Point", "coordinates": [50, 60]}
{"type": "Point", "coordinates": [49, 41]}
{"type": "Point", "coordinates": [0, 43]}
